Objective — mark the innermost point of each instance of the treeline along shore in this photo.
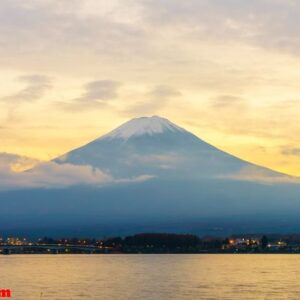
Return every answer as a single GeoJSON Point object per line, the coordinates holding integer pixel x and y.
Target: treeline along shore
{"type": "Point", "coordinates": [151, 243]}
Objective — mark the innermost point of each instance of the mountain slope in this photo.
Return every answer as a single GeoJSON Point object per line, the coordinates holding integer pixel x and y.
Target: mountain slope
{"type": "Point", "coordinates": [157, 147]}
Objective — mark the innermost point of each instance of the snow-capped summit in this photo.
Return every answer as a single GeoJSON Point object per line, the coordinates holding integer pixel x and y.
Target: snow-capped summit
{"type": "Point", "coordinates": [141, 126]}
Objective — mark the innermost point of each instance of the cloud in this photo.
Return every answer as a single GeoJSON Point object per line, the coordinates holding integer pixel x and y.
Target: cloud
{"type": "Point", "coordinates": [96, 94]}
{"type": "Point", "coordinates": [242, 117]}
{"type": "Point", "coordinates": [250, 22]}
{"type": "Point", "coordinates": [163, 161]}
{"type": "Point", "coordinates": [53, 175]}
{"type": "Point", "coordinates": [229, 105]}
{"type": "Point", "coordinates": [290, 151]}
{"type": "Point", "coordinates": [163, 92]}
{"type": "Point", "coordinates": [100, 90]}
{"type": "Point", "coordinates": [56, 27]}
{"type": "Point", "coordinates": [228, 101]}
{"type": "Point", "coordinates": [16, 163]}
{"type": "Point", "coordinates": [260, 175]}
{"type": "Point", "coordinates": [35, 87]}
{"type": "Point", "coordinates": [155, 99]}
{"type": "Point", "coordinates": [136, 179]}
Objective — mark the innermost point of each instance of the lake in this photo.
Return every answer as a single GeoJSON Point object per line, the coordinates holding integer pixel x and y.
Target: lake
{"type": "Point", "coordinates": [103, 277]}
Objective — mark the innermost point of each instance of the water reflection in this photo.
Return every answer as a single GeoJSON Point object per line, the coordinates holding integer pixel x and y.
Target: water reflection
{"type": "Point", "coordinates": [151, 276]}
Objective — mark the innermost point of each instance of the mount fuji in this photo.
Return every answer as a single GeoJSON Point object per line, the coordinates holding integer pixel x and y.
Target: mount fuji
{"type": "Point", "coordinates": [155, 147]}
{"type": "Point", "coordinates": [159, 177]}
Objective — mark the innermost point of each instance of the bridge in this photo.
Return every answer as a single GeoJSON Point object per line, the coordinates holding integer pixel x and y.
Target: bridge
{"type": "Point", "coordinates": [53, 249]}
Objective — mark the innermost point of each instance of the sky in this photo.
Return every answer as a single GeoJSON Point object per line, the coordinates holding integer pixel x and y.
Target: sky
{"type": "Point", "coordinates": [226, 70]}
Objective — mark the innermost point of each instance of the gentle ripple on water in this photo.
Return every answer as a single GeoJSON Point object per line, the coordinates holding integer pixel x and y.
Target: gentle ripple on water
{"type": "Point", "coordinates": [176, 277]}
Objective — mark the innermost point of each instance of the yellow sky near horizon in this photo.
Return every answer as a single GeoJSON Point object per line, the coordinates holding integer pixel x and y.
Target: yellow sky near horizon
{"type": "Point", "coordinates": [71, 72]}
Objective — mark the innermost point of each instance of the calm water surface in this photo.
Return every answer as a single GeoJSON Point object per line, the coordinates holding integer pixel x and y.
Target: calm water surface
{"type": "Point", "coordinates": [151, 276]}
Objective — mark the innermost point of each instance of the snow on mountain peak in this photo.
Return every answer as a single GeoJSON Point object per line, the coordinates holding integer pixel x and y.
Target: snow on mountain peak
{"type": "Point", "coordinates": [144, 125]}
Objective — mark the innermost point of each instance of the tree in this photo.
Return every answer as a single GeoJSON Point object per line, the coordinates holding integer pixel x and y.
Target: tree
{"type": "Point", "coordinates": [264, 242]}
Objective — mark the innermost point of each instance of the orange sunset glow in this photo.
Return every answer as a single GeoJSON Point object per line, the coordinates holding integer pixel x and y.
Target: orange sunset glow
{"type": "Point", "coordinates": [228, 73]}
